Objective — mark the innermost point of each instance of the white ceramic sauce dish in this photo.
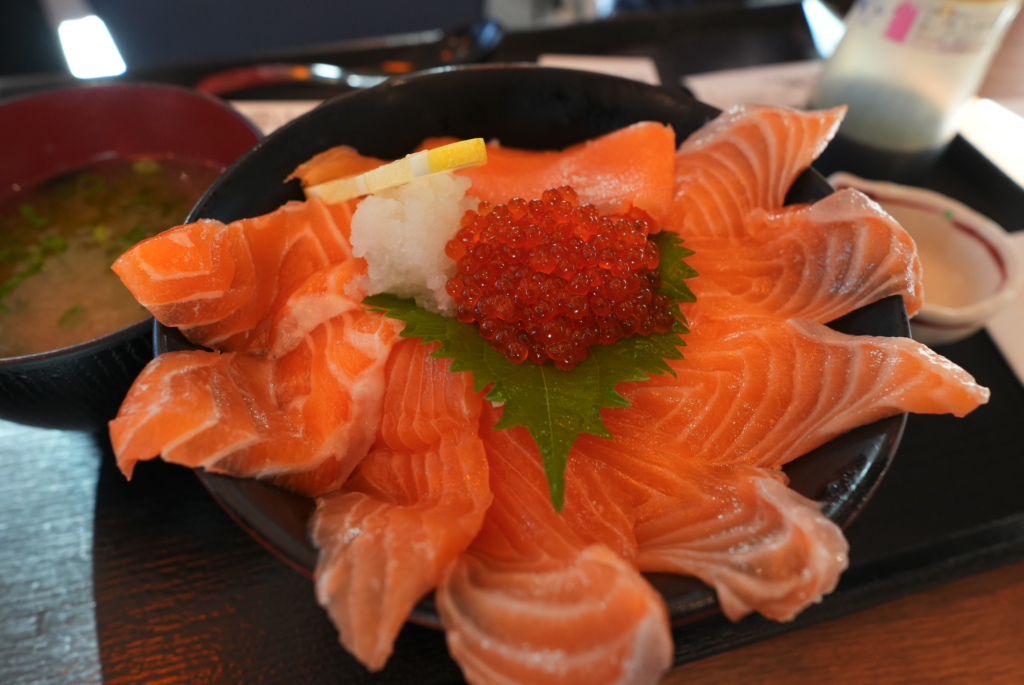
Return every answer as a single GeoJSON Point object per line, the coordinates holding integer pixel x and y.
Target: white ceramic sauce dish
{"type": "Point", "coordinates": [970, 268]}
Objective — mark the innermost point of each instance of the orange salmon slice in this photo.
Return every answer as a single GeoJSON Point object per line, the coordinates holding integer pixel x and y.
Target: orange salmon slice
{"type": "Point", "coordinates": [760, 545]}
{"type": "Point", "coordinates": [764, 391]}
{"type": "Point", "coordinates": [745, 159]}
{"type": "Point", "coordinates": [217, 283]}
{"type": "Point", "coordinates": [631, 165]}
{"type": "Point", "coordinates": [739, 528]}
{"type": "Point", "coordinates": [415, 503]}
{"type": "Point", "coordinates": [817, 261]}
{"type": "Point", "coordinates": [337, 162]}
{"type": "Point", "coordinates": [186, 405]}
{"type": "Point", "coordinates": [531, 602]}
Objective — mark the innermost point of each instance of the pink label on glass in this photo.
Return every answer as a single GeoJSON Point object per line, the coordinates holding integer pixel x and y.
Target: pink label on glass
{"type": "Point", "coordinates": [902, 20]}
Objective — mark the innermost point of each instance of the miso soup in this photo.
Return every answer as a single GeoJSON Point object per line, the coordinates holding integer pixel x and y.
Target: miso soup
{"type": "Point", "coordinates": [58, 240]}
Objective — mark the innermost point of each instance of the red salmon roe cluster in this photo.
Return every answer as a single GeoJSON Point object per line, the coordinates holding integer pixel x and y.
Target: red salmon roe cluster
{"type": "Point", "coordinates": [548, 278]}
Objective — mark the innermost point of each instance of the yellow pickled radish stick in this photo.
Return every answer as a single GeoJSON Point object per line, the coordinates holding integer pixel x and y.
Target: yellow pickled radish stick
{"type": "Point", "coordinates": [465, 153]}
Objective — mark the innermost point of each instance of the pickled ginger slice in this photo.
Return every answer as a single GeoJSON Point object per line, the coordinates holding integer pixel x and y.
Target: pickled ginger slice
{"type": "Point", "coordinates": [745, 159]}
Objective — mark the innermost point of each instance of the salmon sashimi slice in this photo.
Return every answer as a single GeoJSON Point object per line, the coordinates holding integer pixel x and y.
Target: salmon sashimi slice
{"type": "Point", "coordinates": [219, 283]}
{"type": "Point", "coordinates": [745, 159]}
{"type": "Point", "coordinates": [817, 261]}
{"type": "Point", "coordinates": [762, 546]}
{"type": "Point", "coordinates": [336, 162]}
{"type": "Point", "coordinates": [764, 391]}
{"type": "Point", "coordinates": [194, 409]}
{"type": "Point", "coordinates": [342, 411]}
{"type": "Point", "coordinates": [415, 503]}
{"type": "Point", "coordinates": [296, 241]}
{"type": "Point", "coordinates": [531, 602]}
{"type": "Point", "coordinates": [600, 502]}
{"type": "Point", "coordinates": [631, 165]}
{"type": "Point", "coordinates": [326, 294]}
{"type": "Point", "coordinates": [739, 528]}
{"type": "Point", "coordinates": [177, 396]}
{"type": "Point", "coordinates": [589, 619]}
{"type": "Point", "coordinates": [221, 411]}
{"type": "Point", "coordinates": [424, 401]}
{"type": "Point", "coordinates": [387, 536]}
{"type": "Point", "coordinates": [198, 261]}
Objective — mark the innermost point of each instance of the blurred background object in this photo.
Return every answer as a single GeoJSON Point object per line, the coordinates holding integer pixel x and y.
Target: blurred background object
{"type": "Point", "coordinates": [85, 40]}
{"type": "Point", "coordinates": [906, 70]}
{"type": "Point", "coordinates": [164, 31]}
{"type": "Point", "coordinates": [160, 32]}
{"type": "Point", "coordinates": [1005, 79]}
{"type": "Point", "coordinates": [27, 43]}
{"type": "Point", "coordinates": [187, 42]}
{"type": "Point", "coordinates": [527, 14]}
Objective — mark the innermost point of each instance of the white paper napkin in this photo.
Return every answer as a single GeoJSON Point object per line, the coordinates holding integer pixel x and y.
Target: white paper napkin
{"type": "Point", "coordinates": [270, 115]}
{"type": "Point", "coordinates": [637, 68]}
{"type": "Point", "coordinates": [788, 84]}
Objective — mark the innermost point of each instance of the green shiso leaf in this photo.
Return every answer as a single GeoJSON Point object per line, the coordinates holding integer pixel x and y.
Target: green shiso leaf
{"type": "Point", "coordinates": [555, 406]}
{"type": "Point", "coordinates": [674, 271]}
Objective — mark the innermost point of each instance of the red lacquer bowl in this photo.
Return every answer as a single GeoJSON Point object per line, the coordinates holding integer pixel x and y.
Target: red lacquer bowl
{"type": "Point", "coordinates": [81, 386]}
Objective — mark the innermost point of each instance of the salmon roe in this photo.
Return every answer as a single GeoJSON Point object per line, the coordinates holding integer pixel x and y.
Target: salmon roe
{"type": "Point", "coordinates": [548, 278]}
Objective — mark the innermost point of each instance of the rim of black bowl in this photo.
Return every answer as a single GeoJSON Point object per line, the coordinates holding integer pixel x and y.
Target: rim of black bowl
{"type": "Point", "coordinates": [88, 85]}
{"type": "Point", "coordinates": [842, 475]}
{"type": "Point", "coordinates": [141, 327]}
{"type": "Point", "coordinates": [129, 332]}
{"type": "Point", "coordinates": [100, 84]}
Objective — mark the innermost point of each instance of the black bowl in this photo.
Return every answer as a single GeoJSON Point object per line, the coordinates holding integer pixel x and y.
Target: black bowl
{"type": "Point", "coordinates": [80, 387]}
{"type": "Point", "coordinates": [528, 107]}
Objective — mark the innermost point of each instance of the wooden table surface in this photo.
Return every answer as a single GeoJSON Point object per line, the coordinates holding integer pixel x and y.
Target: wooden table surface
{"type": "Point", "coordinates": [969, 631]}
{"type": "Point", "coordinates": [56, 624]}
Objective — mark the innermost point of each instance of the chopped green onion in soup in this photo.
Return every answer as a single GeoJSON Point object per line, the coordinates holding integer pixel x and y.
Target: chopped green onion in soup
{"type": "Point", "coordinates": [58, 240]}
